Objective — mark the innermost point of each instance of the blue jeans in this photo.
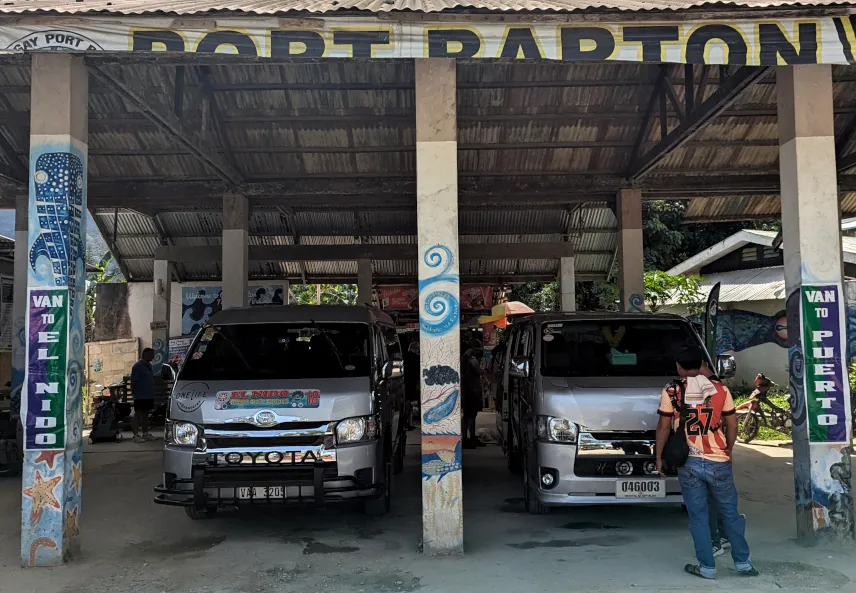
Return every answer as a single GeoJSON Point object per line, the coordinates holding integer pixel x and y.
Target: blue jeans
{"type": "Point", "coordinates": [699, 479]}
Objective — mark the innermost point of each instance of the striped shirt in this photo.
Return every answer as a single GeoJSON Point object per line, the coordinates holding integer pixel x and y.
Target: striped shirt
{"type": "Point", "coordinates": [704, 429]}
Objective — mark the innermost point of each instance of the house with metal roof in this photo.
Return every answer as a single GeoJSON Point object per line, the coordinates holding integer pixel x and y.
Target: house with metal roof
{"type": "Point", "coordinates": [749, 268]}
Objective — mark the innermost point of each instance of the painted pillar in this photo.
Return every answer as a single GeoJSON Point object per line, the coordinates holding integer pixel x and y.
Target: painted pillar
{"type": "Point", "coordinates": [51, 403]}
{"type": "Point", "coordinates": [567, 283]}
{"type": "Point", "coordinates": [439, 309]}
{"type": "Point", "coordinates": [815, 304]}
{"type": "Point", "coordinates": [19, 298]}
{"type": "Point", "coordinates": [236, 223]}
{"type": "Point", "coordinates": [631, 273]}
{"type": "Point", "coordinates": [160, 313]}
{"type": "Point", "coordinates": [364, 282]}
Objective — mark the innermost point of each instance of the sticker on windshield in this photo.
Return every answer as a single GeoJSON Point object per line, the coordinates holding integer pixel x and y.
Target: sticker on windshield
{"type": "Point", "coordinates": [277, 398]}
{"type": "Point", "coordinates": [617, 358]}
{"type": "Point", "coordinates": [548, 337]}
{"type": "Point", "coordinates": [555, 324]}
{"type": "Point", "coordinates": [208, 335]}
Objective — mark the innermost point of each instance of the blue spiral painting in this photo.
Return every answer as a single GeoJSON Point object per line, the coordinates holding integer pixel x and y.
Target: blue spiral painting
{"type": "Point", "coordinates": [441, 310]}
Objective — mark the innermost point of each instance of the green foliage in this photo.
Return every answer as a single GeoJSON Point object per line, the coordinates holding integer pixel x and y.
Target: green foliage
{"type": "Point", "coordinates": [106, 273]}
{"type": "Point", "coordinates": [540, 296]}
{"type": "Point", "coordinates": [331, 294]}
{"type": "Point", "coordinates": [660, 287]}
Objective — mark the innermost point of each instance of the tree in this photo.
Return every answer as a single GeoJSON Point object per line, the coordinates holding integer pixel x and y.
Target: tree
{"type": "Point", "coordinates": [661, 287]}
{"type": "Point", "coordinates": [540, 296]}
{"type": "Point", "coordinates": [331, 294]}
{"type": "Point", "coordinates": [106, 273]}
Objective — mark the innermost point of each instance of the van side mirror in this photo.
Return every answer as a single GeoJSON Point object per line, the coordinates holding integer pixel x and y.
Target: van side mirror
{"type": "Point", "coordinates": [393, 369]}
{"type": "Point", "coordinates": [726, 366]}
{"type": "Point", "coordinates": [168, 373]}
{"type": "Point", "coordinates": [519, 367]}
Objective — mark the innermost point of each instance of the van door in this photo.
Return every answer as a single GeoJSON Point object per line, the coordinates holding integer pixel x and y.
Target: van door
{"type": "Point", "coordinates": [502, 405]}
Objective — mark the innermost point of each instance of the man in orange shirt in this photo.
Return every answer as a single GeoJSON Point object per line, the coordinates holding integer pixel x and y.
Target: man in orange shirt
{"type": "Point", "coordinates": [709, 408]}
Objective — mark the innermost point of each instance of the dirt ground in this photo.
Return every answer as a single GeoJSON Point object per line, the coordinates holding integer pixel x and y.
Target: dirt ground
{"type": "Point", "coordinates": [131, 544]}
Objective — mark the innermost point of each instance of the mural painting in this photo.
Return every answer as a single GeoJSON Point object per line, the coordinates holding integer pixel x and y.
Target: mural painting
{"type": "Point", "coordinates": [51, 399]}
{"type": "Point", "coordinates": [439, 319]}
{"type": "Point", "coordinates": [198, 304]}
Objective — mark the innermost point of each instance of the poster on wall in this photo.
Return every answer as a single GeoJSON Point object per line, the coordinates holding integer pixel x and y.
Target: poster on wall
{"type": "Point", "coordinates": [178, 348]}
{"type": "Point", "coordinates": [406, 297]}
{"type": "Point", "coordinates": [199, 303]}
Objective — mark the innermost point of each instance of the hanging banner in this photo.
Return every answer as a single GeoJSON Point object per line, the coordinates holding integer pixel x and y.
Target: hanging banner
{"type": "Point", "coordinates": [43, 404]}
{"type": "Point", "coordinates": [826, 40]}
{"type": "Point", "coordinates": [826, 385]}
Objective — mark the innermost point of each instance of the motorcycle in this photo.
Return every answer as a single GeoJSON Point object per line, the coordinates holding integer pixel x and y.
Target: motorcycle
{"type": "Point", "coordinates": [758, 410]}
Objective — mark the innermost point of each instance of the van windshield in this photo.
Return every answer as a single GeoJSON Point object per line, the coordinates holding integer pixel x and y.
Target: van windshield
{"type": "Point", "coordinates": [613, 348]}
{"type": "Point", "coordinates": [279, 351]}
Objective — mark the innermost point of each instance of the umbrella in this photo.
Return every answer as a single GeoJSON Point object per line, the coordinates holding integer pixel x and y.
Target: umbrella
{"type": "Point", "coordinates": [500, 313]}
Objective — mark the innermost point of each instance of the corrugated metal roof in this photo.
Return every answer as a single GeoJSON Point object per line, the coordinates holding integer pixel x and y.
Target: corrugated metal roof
{"type": "Point", "coordinates": [762, 284]}
{"type": "Point", "coordinates": [268, 7]}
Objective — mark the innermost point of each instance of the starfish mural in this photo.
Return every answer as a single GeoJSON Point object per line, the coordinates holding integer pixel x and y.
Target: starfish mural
{"type": "Point", "coordinates": [48, 457]}
{"type": "Point", "coordinates": [41, 492]}
{"type": "Point", "coordinates": [76, 476]}
{"type": "Point", "coordinates": [71, 529]}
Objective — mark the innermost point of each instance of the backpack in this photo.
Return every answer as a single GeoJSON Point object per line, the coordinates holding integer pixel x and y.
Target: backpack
{"type": "Point", "coordinates": [677, 448]}
{"type": "Point", "coordinates": [105, 424]}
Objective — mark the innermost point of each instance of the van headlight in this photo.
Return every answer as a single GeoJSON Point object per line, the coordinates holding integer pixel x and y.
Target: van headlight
{"type": "Point", "coordinates": [184, 434]}
{"type": "Point", "coordinates": [354, 430]}
{"type": "Point", "coordinates": [557, 430]}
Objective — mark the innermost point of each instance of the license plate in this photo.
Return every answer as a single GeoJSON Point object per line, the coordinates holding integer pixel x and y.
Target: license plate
{"type": "Point", "coordinates": [261, 492]}
{"type": "Point", "coordinates": [640, 489]}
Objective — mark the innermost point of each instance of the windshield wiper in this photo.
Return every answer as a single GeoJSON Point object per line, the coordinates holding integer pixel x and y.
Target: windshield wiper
{"type": "Point", "coordinates": [330, 342]}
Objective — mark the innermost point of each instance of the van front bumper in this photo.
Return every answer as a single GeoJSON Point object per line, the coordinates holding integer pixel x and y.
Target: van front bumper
{"type": "Point", "coordinates": [599, 481]}
{"type": "Point", "coordinates": [194, 478]}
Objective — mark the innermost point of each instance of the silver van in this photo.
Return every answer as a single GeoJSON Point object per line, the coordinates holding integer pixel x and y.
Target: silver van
{"type": "Point", "coordinates": [578, 405]}
{"type": "Point", "coordinates": [293, 404]}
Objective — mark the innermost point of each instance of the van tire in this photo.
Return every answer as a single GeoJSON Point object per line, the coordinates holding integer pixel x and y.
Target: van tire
{"type": "Point", "coordinates": [200, 514]}
{"type": "Point", "coordinates": [512, 456]}
{"type": "Point", "coordinates": [398, 463]}
{"type": "Point", "coordinates": [376, 507]}
{"type": "Point", "coordinates": [533, 505]}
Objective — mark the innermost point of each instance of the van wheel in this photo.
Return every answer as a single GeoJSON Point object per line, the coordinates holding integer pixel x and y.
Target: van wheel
{"type": "Point", "coordinates": [376, 507]}
{"type": "Point", "coordinates": [398, 464]}
{"type": "Point", "coordinates": [533, 505]}
{"type": "Point", "coordinates": [512, 456]}
{"type": "Point", "coordinates": [200, 514]}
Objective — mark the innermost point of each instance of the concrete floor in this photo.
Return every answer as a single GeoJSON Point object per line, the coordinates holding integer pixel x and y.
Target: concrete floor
{"type": "Point", "coordinates": [129, 544]}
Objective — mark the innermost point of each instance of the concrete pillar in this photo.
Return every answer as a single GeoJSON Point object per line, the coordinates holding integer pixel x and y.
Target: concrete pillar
{"type": "Point", "coordinates": [364, 282]}
{"type": "Point", "coordinates": [236, 224]}
{"type": "Point", "coordinates": [19, 297]}
{"type": "Point", "coordinates": [160, 313]}
{"type": "Point", "coordinates": [567, 283]}
{"type": "Point", "coordinates": [816, 317]}
{"type": "Point", "coordinates": [439, 305]}
{"type": "Point", "coordinates": [631, 273]}
{"type": "Point", "coordinates": [51, 402]}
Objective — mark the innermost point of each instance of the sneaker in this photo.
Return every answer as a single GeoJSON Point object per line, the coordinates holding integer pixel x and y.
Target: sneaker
{"type": "Point", "coordinates": [724, 543]}
{"type": "Point", "coordinates": [752, 572]}
{"type": "Point", "coordinates": [138, 439]}
{"type": "Point", "coordinates": [150, 437]}
{"type": "Point", "coordinates": [718, 550]}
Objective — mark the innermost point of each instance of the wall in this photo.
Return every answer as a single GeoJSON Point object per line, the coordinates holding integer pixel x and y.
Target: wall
{"type": "Point", "coordinates": [107, 362]}
{"type": "Point", "coordinates": [770, 359]}
{"type": "Point", "coordinates": [141, 298]}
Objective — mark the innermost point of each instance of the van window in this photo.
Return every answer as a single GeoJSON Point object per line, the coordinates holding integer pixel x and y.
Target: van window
{"type": "Point", "coordinates": [279, 351]}
{"type": "Point", "coordinates": [613, 348]}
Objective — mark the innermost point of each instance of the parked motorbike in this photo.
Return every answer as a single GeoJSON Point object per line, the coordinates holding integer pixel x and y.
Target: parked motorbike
{"type": "Point", "coordinates": [758, 410]}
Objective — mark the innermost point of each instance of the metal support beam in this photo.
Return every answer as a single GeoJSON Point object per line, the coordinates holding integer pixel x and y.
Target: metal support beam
{"type": "Point", "coordinates": [386, 251]}
{"type": "Point", "coordinates": [178, 95]}
{"type": "Point", "coordinates": [724, 96]}
{"type": "Point", "coordinates": [170, 124]}
{"type": "Point", "coordinates": [216, 117]}
{"type": "Point", "coordinates": [106, 235]}
{"type": "Point", "coordinates": [287, 215]}
{"type": "Point", "coordinates": [166, 240]}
